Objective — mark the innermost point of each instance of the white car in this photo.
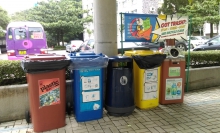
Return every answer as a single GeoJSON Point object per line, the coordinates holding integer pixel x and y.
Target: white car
{"type": "Point", "coordinates": [74, 45]}
{"type": "Point", "coordinates": [196, 41]}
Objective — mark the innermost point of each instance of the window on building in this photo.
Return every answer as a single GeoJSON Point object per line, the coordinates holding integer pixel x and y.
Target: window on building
{"type": "Point", "coordinates": [134, 11]}
{"type": "Point", "coordinates": [124, 3]}
{"type": "Point", "coordinates": [133, 2]}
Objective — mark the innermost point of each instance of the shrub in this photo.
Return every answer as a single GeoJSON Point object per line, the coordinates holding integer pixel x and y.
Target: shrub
{"type": "Point", "coordinates": [59, 48]}
{"type": "Point", "coordinates": [12, 73]}
{"type": "Point", "coordinates": [204, 58]}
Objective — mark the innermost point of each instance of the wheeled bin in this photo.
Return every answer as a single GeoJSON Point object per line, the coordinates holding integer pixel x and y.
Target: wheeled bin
{"type": "Point", "coordinates": [87, 73]}
{"type": "Point", "coordinates": [146, 70]}
{"type": "Point", "coordinates": [119, 99]}
{"type": "Point", "coordinates": [172, 80]}
{"type": "Point", "coordinates": [46, 90]}
{"type": "Point", "coordinates": [173, 75]}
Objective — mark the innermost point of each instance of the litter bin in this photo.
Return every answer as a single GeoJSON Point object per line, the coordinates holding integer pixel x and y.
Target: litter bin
{"type": "Point", "coordinates": [119, 89]}
{"type": "Point", "coordinates": [172, 80]}
{"type": "Point", "coordinates": [87, 72]}
{"type": "Point", "coordinates": [146, 70]}
{"type": "Point", "coordinates": [46, 90]}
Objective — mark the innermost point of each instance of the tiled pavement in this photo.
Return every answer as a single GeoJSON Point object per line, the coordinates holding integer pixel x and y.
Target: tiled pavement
{"type": "Point", "coordinates": [200, 113]}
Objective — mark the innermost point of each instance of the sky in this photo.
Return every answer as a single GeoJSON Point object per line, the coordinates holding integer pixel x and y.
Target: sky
{"type": "Point", "coordinates": [12, 6]}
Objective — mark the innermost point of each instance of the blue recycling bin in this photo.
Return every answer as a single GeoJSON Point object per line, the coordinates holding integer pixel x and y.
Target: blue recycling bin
{"type": "Point", "coordinates": [119, 99]}
{"type": "Point", "coordinates": [87, 72]}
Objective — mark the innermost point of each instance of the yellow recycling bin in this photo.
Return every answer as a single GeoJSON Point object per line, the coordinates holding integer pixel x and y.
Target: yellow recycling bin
{"type": "Point", "coordinates": [146, 81]}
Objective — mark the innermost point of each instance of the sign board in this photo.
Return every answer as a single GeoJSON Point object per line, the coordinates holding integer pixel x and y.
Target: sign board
{"type": "Point", "coordinates": [155, 28]}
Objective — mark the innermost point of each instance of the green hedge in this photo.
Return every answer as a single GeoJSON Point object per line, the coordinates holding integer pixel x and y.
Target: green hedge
{"type": "Point", "coordinates": [59, 48]}
{"type": "Point", "coordinates": [11, 72]}
{"type": "Point", "coordinates": [204, 58]}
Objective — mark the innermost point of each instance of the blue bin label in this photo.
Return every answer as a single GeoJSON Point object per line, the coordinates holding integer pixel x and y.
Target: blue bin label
{"type": "Point", "coordinates": [91, 96]}
{"type": "Point", "coordinates": [90, 85]}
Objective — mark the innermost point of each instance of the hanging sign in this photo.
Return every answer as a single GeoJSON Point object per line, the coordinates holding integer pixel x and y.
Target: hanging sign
{"type": "Point", "coordinates": [154, 28]}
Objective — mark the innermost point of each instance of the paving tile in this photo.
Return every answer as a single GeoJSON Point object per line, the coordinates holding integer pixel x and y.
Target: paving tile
{"type": "Point", "coordinates": [15, 131]}
{"type": "Point", "coordinates": [143, 131]}
{"type": "Point", "coordinates": [114, 130]}
{"type": "Point", "coordinates": [80, 131]}
{"type": "Point", "coordinates": [69, 130]}
{"type": "Point", "coordinates": [10, 123]}
{"type": "Point", "coordinates": [107, 130]}
{"type": "Point", "coordinates": [159, 129]}
{"type": "Point", "coordinates": [61, 130]}
{"type": "Point", "coordinates": [97, 131]}
{"type": "Point", "coordinates": [126, 129]}
{"type": "Point", "coordinates": [51, 131]}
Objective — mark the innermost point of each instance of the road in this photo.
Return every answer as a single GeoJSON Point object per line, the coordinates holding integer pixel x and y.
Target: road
{"type": "Point", "coordinates": [61, 52]}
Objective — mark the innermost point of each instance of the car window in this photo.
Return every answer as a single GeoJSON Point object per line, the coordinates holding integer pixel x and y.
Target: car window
{"type": "Point", "coordinates": [215, 41]}
{"type": "Point", "coordinates": [90, 42]}
{"type": "Point", "coordinates": [194, 38]}
{"type": "Point", "coordinates": [84, 43]}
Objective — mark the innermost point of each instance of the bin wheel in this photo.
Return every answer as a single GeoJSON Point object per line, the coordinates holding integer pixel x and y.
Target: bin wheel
{"type": "Point", "coordinates": [68, 108]}
{"type": "Point", "coordinates": [27, 116]}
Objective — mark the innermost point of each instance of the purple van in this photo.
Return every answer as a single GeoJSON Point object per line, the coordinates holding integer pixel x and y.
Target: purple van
{"type": "Point", "coordinates": [25, 38]}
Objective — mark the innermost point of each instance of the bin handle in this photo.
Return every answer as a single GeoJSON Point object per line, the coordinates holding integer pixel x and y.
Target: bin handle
{"type": "Point", "coordinates": [175, 62]}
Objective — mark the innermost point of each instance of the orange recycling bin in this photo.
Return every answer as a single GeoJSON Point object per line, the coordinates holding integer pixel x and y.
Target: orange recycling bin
{"type": "Point", "coordinates": [172, 81]}
{"type": "Point", "coordinates": [46, 91]}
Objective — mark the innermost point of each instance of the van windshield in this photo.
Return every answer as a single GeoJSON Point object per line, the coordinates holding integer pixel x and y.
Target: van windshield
{"type": "Point", "coordinates": [20, 34]}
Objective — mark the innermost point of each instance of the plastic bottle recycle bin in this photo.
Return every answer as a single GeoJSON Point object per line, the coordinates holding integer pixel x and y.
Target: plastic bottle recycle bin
{"type": "Point", "coordinates": [119, 89]}
{"type": "Point", "coordinates": [46, 90]}
{"type": "Point", "coordinates": [87, 72]}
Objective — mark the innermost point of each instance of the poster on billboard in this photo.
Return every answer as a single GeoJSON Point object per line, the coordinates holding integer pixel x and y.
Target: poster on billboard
{"type": "Point", "coordinates": [154, 28]}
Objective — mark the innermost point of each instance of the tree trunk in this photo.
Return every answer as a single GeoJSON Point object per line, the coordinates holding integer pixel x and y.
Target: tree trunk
{"type": "Point", "coordinates": [61, 35]}
{"type": "Point", "coordinates": [58, 38]}
{"type": "Point", "coordinates": [211, 30]}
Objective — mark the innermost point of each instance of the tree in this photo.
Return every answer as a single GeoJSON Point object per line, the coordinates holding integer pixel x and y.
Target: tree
{"type": "Point", "coordinates": [172, 6]}
{"type": "Point", "coordinates": [203, 11]}
{"type": "Point", "coordinates": [4, 20]}
{"type": "Point", "coordinates": [60, 17]}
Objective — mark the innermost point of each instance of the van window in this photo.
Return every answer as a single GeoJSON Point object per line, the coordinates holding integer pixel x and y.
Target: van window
{"type": "Point", "coordinates": [35, 32]}
{"type": "Point", "coordinates": [20, 34]}
{"type": "Point", "coordinates": [10, 33]}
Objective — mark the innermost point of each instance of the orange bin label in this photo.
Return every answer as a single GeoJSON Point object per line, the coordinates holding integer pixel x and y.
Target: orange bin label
{"type": "Point", "coordinates": [49, 91]}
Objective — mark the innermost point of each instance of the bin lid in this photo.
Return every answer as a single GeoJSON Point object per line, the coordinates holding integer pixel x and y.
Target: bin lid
{"type": "Point", "coordinates": [120, 59]}
{"type": "Point", "coordinates": [45, 57]}
{"type": "Point", "coordinates": [85, 55]}
{"type": "Point", "coordinates": [139, 52]}
{"type": "Point", "coordinates": [44, 63]}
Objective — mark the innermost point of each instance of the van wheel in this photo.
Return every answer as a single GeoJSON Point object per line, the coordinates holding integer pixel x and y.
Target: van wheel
{"type": "Point", "coordinates": [27, 116]}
